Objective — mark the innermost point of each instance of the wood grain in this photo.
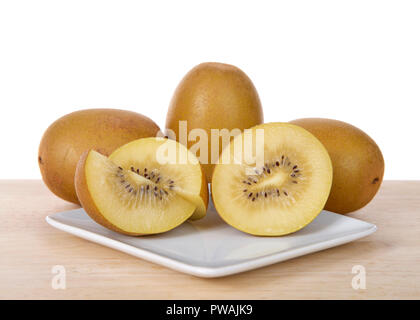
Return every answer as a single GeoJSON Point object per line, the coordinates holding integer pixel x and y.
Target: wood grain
{"type": "Point", "coordinates": [29, 247]}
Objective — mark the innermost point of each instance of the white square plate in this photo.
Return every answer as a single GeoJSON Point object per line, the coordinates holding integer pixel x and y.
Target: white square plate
{"type": "Point", "coordinates": [211, 248]}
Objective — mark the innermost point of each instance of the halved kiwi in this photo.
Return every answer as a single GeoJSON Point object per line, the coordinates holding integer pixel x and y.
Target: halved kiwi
{"type": "Point", "coordinates": [283, 194]}
{"type": "Point", "coordinates": [132, 193]}
{"type": "Point", "coordinates": [182, 174]}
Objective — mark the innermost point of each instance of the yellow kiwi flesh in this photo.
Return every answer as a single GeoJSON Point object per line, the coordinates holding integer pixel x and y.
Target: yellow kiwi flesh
{"type": "Point", "coordinates": [121, 201]}
{"type": "Point", "coordinates": [133, 193]}
{"type": "Point", "coordinates": [182, 174]}
{"type": "Point", "coordinates": [213, 96]}
{"type": "Point", "coordinates": [283, 194]}
{"type": "Point", "coordinates": [357, 161]}
{"type": "Point", "coordinates": [69, 137]}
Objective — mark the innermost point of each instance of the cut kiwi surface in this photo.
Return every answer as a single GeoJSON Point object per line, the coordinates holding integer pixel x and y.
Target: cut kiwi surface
{"type": "Point", "coordinates": [182, 175]}
{"type": "Point", "coordinates": [283, 194]}
{"type": "Point", "coordinates": [131, 193]}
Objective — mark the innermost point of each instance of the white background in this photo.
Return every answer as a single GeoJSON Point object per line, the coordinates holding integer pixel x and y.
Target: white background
{"type": "Point", "coordinates": [357, 61]}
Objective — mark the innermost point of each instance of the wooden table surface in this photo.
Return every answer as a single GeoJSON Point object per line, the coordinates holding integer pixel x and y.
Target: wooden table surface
{"type": "Point", "coordinates": [29, 248]}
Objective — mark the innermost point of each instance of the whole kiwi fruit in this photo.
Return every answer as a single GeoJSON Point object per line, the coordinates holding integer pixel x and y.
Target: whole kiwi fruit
{"type": "Point", "coordinates": [65, 140]}
{"type": "Point", "coordinates": [358, 164]}
{"type": "Point", "coordinates": [214, 96]}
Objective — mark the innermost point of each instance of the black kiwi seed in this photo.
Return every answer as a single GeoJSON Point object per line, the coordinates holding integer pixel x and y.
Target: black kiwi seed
{"type": "Point", "coordinates": [250, 195]}
{"type": "Point", "coordinates": [131, 189]}
{"type": "Point", "coordinates": [258, 194]}
{"type": "Point", "coordinates": [145, 175]}
{"type": "Point", "coordinates": [285, 193]}
{"type": "Point", "coordinates": [268, 171]}
{"type": "Point", "coordinates": [294, 181]}
{"type": "Point", "coordinates": [145, 169]}
{"type": "Point", "coordinates": [297, 170]}
{"type": "Point", "coordinates": [156, 188]}
{"type": "Point", "coordinates": [277, 163]}
{"type": "Point", "coordinates": [157, 180]}
{"type": "Point", "coordinates": [166, 192]}
{"type": "Point", "coordinates": [278, 192]}
{"type": "Point", "coordinates": [127, 186]}
{"type": "Point", "coordinates": [245, 190]}
{"type": "Point", "coordinates": [265, 194]}
{"type": "Point", "coordinates": [293, 175]}
{"type": "Point", "coordinates": [119, 168]}
{"type": "Point", "coordinates": [138, 171]}
{"type": "Point", "coordinates": [294, 167]}
{"type": "Point", "coordinates": [147, 187]}
{"type": "Point", "coordinates": [253, 199]}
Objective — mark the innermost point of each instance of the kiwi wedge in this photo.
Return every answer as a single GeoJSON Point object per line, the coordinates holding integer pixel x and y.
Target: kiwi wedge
{"type": "Point", "coordinates": [131, 192]}
{"type": "Point", "coordinates": [283, 194]}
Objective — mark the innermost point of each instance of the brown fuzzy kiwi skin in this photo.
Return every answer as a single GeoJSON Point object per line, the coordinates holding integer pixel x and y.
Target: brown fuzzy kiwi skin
{"type": "Point", "coordinates": [358, 164]}
{"type": "Point", "coordinates": [87, 201]}
{"type": "Point", "coordinates": [67, 138]}
{"type": "Point", "coordinates": [214, 96]}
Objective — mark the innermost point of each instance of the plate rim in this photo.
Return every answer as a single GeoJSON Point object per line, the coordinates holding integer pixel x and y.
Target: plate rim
{"type": "Point", "coordinates": [209, 272]}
